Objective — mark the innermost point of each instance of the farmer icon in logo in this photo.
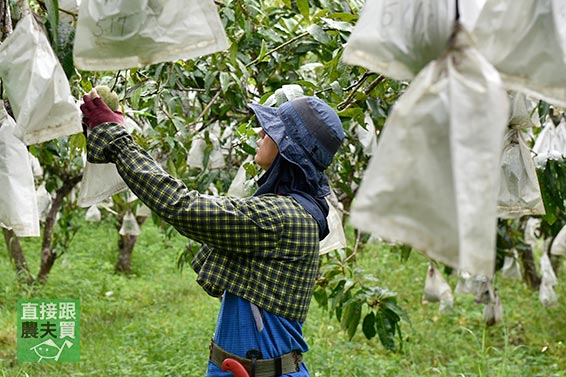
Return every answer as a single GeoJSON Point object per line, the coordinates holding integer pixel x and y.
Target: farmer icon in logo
{"type": "Point", "coordinates": [49, 349]}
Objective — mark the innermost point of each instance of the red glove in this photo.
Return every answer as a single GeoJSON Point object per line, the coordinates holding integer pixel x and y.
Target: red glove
{"type": "Point", "coordinates": [96, 112]}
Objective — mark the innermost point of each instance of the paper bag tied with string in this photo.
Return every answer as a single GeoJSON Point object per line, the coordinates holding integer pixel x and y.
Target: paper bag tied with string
{"type": "Point", "coordinates": [526, 41]}
{"type": "Point", "coordinates": [399, 37]}
{"type": "Point", "coordinates": [36, 85]}
{"type": "Point", "coordinates": [121, 34]}
{"type": "Point", "coordinates": [433, 180]}
{"type": "Point", "coordinates": [18, 207]}
{"type": "Point", "coordinates": [519, 191]}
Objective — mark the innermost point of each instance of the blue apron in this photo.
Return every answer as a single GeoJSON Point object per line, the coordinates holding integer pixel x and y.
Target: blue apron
{"type": "Point", "coordinates": [237, 333]}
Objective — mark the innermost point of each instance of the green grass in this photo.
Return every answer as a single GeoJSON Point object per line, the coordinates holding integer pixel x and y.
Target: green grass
{"type": "Point", "coordinates": [158, 322]}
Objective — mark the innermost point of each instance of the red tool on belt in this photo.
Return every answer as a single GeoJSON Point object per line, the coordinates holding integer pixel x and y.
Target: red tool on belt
{"type": "Point", "coordinates": [231, 365]}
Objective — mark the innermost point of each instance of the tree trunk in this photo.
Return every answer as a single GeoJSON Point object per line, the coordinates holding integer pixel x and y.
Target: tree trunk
{"type": "Point", "coordinates": [47, 255]}
{"type": "Point", "coordinates": [530, 275]}
{"type": "Point", "coordinates": [126, 245]}
{"type": "Point", "coordinates": [16, 254]}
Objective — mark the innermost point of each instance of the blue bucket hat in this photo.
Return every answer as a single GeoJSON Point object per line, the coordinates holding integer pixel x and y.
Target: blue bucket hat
{"type": "Point", "coordinates": [306, 130]}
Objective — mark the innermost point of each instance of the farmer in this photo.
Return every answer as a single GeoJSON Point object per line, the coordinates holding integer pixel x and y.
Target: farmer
{"type": "Point", "coordinates": [260, 254]}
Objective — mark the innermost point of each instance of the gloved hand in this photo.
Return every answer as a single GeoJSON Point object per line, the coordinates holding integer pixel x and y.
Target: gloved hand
{"type": "Point", "coordinates": [96, 112]}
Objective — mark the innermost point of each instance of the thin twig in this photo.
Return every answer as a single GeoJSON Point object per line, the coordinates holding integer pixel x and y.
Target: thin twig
{"type": "Point", "coordinates": [354, 89]}
{"type": "Point", "coordinates": [206, 109]}
{"type": "Point", "coordinates": [356, 246]}
{"type": "Point", "coordinates": [374, 83]}
{"type": "Point", "coordinates": [74, 14]}
{"type": "Point", "coordinates": [283, 45]}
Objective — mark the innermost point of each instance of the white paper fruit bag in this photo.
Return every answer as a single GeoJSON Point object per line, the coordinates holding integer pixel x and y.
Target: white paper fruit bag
{"type": "Point", "coordinates": [120, 34]}
{"type": "Point", "coordinates": [18, 206]}
{"type": "Point", "coordinates": [399, 37]}
{"type": "Point", "coordinates": [526, 41]}
{"type": "Point", "coordinates": [434, 179]}
{"type": "Point", "coordinates": [36, 85]}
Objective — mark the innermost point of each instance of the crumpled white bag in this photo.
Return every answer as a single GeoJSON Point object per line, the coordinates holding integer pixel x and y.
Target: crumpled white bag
{"type": "Point", "coordinates": [398, 38]}
{"type": "Point", "coordinates": [130, 226]}
{"type": "Point", "coordinates": [493, 310]}
{"type": "Point", "coordinates": [36, 85]}
{"type": "Point", "coordinates": [526, 41]}
{"type": "Point", "coordinates": [560, 137]}
{"type": "Point", "coordinates": [284, 94]}
{"type": "Point", "coordinates": [93, 214]}
{"type": "Point", "coordinates": [241, 186]}
{"type": "Point", "coordinates": [18, 206]}
{"type": "Point", "coordinates": [547, 296]}
{"type": "Point", "coordinates": [36, 166]}
{"type": "Point", "coordinates": [437, 289]}
{"type": "Point", "coordinates": [143, 211]}
{"type": "Point", "coordinates": [511, 268]}
{"type": "Point", "coordinates": [196, 154]}
{"type": "Point", "coordinates": [519, 191]}
{"type": "Point", "coordinates": [558, 246]}
{"type": "Point", "coordinates": [121, 34]}
{"type": "Point", "coordinates": [546, 145]}
{"type": "Point", "coordinates": [336, 238]}
{"type": "Point", "coordinates": [433, 181]}
{"type": "Point", "coordinates": [99, 182]}
{"type": "Point", "coordinates": [470, 285]}
{"type": "Point", "coordinates": [366, 135]}
{"type": "Point", "coordinates": [532, 232]}
{"type": "Point", "coordinates": [44, 201]}
{"type": "Point", "coordinates": [469, 12]}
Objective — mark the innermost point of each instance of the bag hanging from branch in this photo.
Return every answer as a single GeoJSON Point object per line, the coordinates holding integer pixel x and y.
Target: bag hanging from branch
{"type": "Point", "coordinates": [398, 38]}
{"type": "Point", "coordinates": [44, 201]}
{"type": "Point", "coordinates": [201, 151]}
{"type": "Point", "coordinates": [36, 86]}
{"type": "Point", "coordinates": [99, 182]}
{"type": "Point", "coordinates": [519, 191]}
{"type": "Point", "coordinates": [546, 145]}
{"type": "Point", "coordinates": [93, 214]}
{"type": "Point", "coordinates": [336, 239]}
{"type": "Point", "coordinates": [130, 225]}
{"type": "Point", "coordinates": [493, 310]}
{"type": "Point", "coordinates": [122, 34]}
{"type": "Point", "coordinates": [547, 296]}
{"type": "Point", "coordinates": [560, 137]}
{"type": "Point", "coordinates": [558, 246]}
{"type": "Point", "coordinates": [470, 285]}
{"type": "Point", "coordinates": [511, 267]}
{"type": "Point", "coordinates": [18, 205]}
{"type": "Point", "coordinates": [433, 181]}
{"type": "Point", "coordinates": [526, 41]}
{"type": "Point", "coordinates": [437, 289]}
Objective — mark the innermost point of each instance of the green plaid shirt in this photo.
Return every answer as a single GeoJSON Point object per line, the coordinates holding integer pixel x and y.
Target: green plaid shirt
{"type": "Point", "coordinates": [262, 248]}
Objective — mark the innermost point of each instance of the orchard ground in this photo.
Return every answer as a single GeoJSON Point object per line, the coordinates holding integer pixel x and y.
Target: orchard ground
{"type": "Point", "coordinates": [158, 322]}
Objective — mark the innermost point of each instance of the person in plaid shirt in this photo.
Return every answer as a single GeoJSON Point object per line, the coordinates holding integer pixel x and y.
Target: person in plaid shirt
{"type": "Point", "coordinates": [260, 254]}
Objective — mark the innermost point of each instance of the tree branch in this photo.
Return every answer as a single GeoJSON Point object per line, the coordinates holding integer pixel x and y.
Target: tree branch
{"type": "Point", "coordinates": [206, 109]}
{"type": "Point", "coordinates": [283, 45]}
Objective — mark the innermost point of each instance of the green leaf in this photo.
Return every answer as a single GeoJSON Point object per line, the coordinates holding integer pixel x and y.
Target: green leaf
{"type": "Point", "coordinates": [303, 6]}
{"type": "Point", "coordinates": [368, 325]}
{"type": "Point", "coordinates": [225, 81]}
{"type": "Point", "coordinates": [53, 19]}
{"type": "Point", "coordinates": [319, 34]}
{"type": "Point", "coordinates": [351, 318]}
{"type": "Point", "coordinates": [386, 331]}
{"type": "Point", "coordinates": [321, 297]}
{"type": "Point", "coordinates": [262, 51]}
{"type": "Point", "coordinates": [396, 309]}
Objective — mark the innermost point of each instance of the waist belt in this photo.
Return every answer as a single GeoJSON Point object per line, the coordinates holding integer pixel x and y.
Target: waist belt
{"type": "Point", "coordinates": [257, 367]}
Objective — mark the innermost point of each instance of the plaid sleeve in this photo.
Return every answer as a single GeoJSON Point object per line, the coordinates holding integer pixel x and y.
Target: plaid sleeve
{"type": "Point", "coordinates": [230, 224]}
